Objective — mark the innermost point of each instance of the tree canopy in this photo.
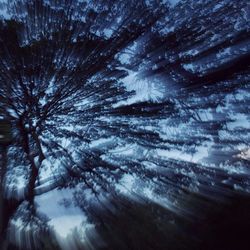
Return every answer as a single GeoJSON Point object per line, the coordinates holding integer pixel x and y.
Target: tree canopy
{"type": "Point", "coordinates": [122, 103]}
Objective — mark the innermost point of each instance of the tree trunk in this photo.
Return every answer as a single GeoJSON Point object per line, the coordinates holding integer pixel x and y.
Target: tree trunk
{"type": "Point", "coordinates": [3, 167]}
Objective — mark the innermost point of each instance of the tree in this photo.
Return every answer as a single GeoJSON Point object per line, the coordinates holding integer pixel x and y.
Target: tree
{"type": "Point", "coordinates": [70, 75]}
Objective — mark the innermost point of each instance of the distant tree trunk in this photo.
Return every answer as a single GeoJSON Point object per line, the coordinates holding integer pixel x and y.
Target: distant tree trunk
{"type": "Point", "coordinates": [3, 168]}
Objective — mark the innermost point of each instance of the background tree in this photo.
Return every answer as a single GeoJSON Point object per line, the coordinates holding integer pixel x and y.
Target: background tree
{"type": "Point", "coordinates": [123, 98]}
